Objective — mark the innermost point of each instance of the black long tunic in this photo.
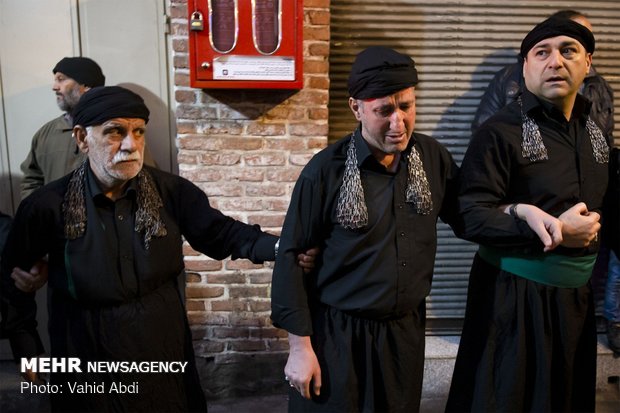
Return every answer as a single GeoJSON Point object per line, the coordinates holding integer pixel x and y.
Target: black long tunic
{"type": "Point", "coordinates": [370, 276]}
{"type": "Point", "coordinates": [110, 298]}
{"type": "Point", "coordinates": [526, 346]}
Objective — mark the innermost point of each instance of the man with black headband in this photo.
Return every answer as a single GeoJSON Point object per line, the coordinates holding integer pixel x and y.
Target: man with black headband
{"type": "Point", "coordinates": [507, 85]}
{"type": "Point", "coordinates": [370, 201]}
{"type": "Point", "coordinates": [53, 152]}
{"type": "Point", "coordinates": [529, 336]}
{"type": "Point", "coordinates": [113, 230]}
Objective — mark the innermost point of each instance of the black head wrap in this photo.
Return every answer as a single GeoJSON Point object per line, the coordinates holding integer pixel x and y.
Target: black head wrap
{"type": "Point", "coordinates": [83, 70]}
{"type": "Point", "coordinates": [380, 71]}
{"type": "Point", "coordinates": [558, 26]}
{"type": "Point", "coordinates": [103, 103]}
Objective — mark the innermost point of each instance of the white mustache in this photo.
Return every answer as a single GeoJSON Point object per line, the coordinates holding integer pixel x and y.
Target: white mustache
{"type": "Point", "coordinates": [126, 156]}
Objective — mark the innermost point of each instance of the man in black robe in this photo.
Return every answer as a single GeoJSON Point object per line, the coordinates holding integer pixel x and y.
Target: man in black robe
{"type": "Point", "coordinates": [113, 231]}
{"type": "Point", "coordinates": [370, 202]}
{"type": "Point", "coordinates": [529, 336]}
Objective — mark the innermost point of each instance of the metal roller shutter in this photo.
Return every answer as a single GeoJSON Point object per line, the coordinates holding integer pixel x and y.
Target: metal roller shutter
{"type": "Point", "coordinates": [457, 47]}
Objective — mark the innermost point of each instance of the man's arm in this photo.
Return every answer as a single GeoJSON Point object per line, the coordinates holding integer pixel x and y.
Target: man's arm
{"type": "Point", "coordinates": [33, 175]}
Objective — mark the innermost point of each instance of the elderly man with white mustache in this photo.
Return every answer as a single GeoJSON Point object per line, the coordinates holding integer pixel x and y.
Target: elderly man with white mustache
{"type": "Point", "coordinates": [113, 231]}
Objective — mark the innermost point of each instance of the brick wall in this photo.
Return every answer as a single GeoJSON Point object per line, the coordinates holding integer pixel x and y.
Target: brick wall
{"type": "Point", "coordinates": [245, 149]}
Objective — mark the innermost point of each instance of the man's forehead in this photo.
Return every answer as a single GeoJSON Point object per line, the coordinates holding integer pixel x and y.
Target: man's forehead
{"type": "Point", "coordinates": [404, 94]}
{"type": "Point", "coordinates": [62, 75]}
{"type": "Point", "coordinates": [557, 41]}
{"type": "Point", "coordinates": [124, 122]}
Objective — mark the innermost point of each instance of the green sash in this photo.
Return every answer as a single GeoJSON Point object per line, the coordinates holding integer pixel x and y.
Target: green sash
{"type": "Point", "coordinates": [545, 268]}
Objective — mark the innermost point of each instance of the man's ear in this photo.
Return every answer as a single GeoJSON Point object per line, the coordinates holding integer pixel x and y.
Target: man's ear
{"type": "Point", "coordinates": [79, 134]}
{"type": "Point", "coordinates": [355, 108]}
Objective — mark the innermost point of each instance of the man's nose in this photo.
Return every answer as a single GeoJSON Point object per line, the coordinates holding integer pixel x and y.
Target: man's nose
{"type": "Point", "coordinates": [130, 142]}
{"type": "Point", "coordinates": [555, 58]}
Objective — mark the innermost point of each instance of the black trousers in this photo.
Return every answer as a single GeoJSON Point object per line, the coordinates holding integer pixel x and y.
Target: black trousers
{"type": "Point", "coordinates": [366, 365]}
{"type": "Point", "coordinates": [525, 347]}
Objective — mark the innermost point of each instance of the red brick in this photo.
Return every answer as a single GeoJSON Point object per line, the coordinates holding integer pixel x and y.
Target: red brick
{"type": "Point", "coordinates": [180, 45]}
{"type": "Point", "coordinates": [193, 291]}
{"type": "Point", "coordinates": [212, 189]}
{"type": "Point", "coordinates": [283, 112]}
{"type": "Point", "coordinates": [308, 129]}
{"type": "Point", "coordinates": [228, 305]}
{"type": "Point", "coordinates": [316, 67]}
{"type": "Point", "coordinates": [248, 319]}
{"type": "Point", "coordinates": [195, 305]}
{"type": "Point", "coordinates": [245, 292]}
{"type": "Point", "coordinates": [227, 277]}
{"type": "Point", "coordinates": [198, 142]}
{"type": "Point", "coordinates": [267, 221]}
{"type": "Point", "coordinates": [300, 158]}
{"type": "Point", "coordinates": [246, 345]}
{"type": "Point", "coordinates": [209, 347]}
{"type": "Point", "coordinates": [288, 144]}
{"type": "Point", "coordinates": [276, 204]}
{"type": "Point", "coordinates": [180, 61]}
{"type": "Point", "coordinates": [266, 129]}
{"type": "Point", "coordinates": [262, 277]}
{"type": "Point", "coordinates": [242, 264]}
{"type": "Point", "coordinates": [316, 33]}
{"type": "Point", "coordinates": [277, 345]}
{"type": "Point", "coordinates": [258, 306]}
{"type": "Point", "coordinates": [318, 114]}
{"type": "Point", "coordinates": [202, 265]}
{"type": "Point", "coordinates": [319, 49]}
{"type": "Point", "coordinates": [318, 17]}
{"type": "Point", "coordinates": [243, 174]}
{"type": "Point", "coordinates": [265, 189]}
{"type": "Point", "coordinates": [317, 143]}
{"type": "Point", "coordinates": [284, 174]}
{"type": "Point", "coordinates": [317, 82]}
{"type": "Point", "coordinates": [181, 79]}
{"type": "Point", "coordinates": [267, 332]}
{"type": "Point", "coordinates": [265, 159]}
{"type": "Point", "coordinates": [246, 144]}
{"type": "Point", "coordinates": [185, 96]}
{"type": "Point", "coordinates": [199, 317]}
{"type": "Point", "coordinates": [192, 277]}
{"type": "Point", "coordinates": [201, 175]}
{"type": "Point", "coordinates": [231, 332]}
{"type": "Point", "coordinates": [316, 3]}
{"type": "Point", "coordinates": [225, 158]}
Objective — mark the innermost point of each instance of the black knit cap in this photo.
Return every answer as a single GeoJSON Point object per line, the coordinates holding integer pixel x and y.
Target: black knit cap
{"type": "Point", "coordinates": [103, 103]}
{"type": "Point", "coordinates": [83, 70]}
{"type": "Point", "coordinates": [380, 71]}
{"type": "Point", "coordinates": [558, 26]}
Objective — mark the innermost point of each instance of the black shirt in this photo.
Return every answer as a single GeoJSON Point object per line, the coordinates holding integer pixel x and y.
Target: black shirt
{"type": "Point", "coordinates": [379, 271]}
{"type": "Point", "coordinates": [494, 172]}
{"type": "Point", "coordinates": [109, 297]}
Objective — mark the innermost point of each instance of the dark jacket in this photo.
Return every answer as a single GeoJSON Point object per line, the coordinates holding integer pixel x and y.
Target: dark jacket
{"type": "Point", "coordinates": [508, 83]}
{"type": "Point", "coordinates": [611, 225]}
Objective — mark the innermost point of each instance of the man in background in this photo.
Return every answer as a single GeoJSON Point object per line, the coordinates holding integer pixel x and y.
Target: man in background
{"type": "Point", "coordinates": [53, 152]}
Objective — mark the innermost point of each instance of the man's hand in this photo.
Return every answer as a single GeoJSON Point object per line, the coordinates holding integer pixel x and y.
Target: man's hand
{"type": "Point", "coordinates": [579, 226]}
{"type": "Point", "coordinates": [547, 227]}
{"type": "Point", "coordinates": [31, 281]}
{"type": "Point", "coordinates": [306, 260]}
{"type": "Point", "coordinates": [302, 367]}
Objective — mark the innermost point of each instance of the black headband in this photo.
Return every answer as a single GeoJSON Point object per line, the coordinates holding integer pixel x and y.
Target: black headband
{"type": "Point", "coordinates": [380, 71]}
{"type": "Point", "coordinates": [558, 26]}
{"type": "Point", "coordinates": [83, 70]}
{"type": "Point", "coordinates": [103, 103]}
